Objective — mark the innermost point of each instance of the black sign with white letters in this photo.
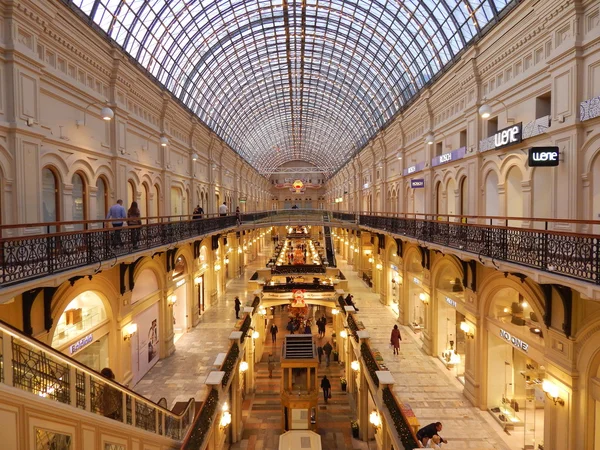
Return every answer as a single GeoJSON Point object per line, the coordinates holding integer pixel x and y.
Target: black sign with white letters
{"type": "Point", "coordinates": [508, 136]}
{"type": "Point", "coordinates": [543, 156]}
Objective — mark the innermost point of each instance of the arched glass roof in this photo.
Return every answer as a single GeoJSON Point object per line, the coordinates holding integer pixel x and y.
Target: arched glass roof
{"type": "Point", "coordinates": [285, 80]}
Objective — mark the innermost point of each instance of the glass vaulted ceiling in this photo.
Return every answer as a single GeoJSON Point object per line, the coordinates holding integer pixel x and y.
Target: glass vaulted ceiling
{"type": "Point", "coordinates": [306, 80]}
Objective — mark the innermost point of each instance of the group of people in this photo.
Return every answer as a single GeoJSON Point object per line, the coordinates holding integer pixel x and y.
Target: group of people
{"type": "Point", "coordinates": [133, 215]}
{"type": "Point", "coordinates": [325, 350]}
{"type": "Point", "coordinates": [297, 323]}
{"type": "Point", "coordinates": [223, 210]}
{"type": "Point", "coordinates": [321, 323]}
{"type": "Point", "coordinates": [350, 301]}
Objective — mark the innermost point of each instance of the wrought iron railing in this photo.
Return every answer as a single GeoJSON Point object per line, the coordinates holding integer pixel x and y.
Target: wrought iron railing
{"type": "Point", "coordinates": [29, 257]}
{"type": "Point", "coordinates": [203, 422]}
{"type": "Point", "coordinates": [298, 269]}
{"type": "Point", "coordinates": [543, 246]}
{"type": "Point", "coordinates": [308, 287]}
{"type": "Point", "coordinates": [405, 432]}
{"type": "Point", "coordinates": [353, 326]}
{"type": "Point", "coordinates": [370, 362]}
{"type": "Point", "coordinates": [230, 362]}
{"type": "Point", "coordinates": [40, 370]}
{"type": "Point", "coordinates": [573, 255]}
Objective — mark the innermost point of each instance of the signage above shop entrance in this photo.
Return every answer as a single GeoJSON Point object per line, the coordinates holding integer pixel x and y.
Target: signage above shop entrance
{"type": "Point", "coordinates": [449, 157]}
{"type": "Point", "coordinates": [516, 342]}
{"type": "Point", "coordinates": [417, 183]}
{"type": "Point", "coordinates": [543, 156]}
{"type": "Point", "coordinates": [74, 348]}
{"type": "Point", "coordinates": [508, 136]}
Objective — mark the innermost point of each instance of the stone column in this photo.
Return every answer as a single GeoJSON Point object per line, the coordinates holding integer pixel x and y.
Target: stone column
{"type": "Point", "coordinates": [362, 403]}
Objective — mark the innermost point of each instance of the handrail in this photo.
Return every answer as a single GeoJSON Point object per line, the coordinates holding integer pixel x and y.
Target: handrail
{"type": "Point", "coordinates": [61, 388]}
{"type": "Point", "coordinates": [202, 422]}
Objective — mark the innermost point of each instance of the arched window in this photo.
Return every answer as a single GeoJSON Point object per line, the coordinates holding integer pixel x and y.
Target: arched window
{"type": "Point", "coordinates": [101, 198]}
{"type": "Point", "coordinates": [143, 204]}
{"type": "Point", "coordinates": [130, 194]}
{"type": "Point", "coordinates": [50, 197]}
{"type": "Point", "coordinates": [79, 202]}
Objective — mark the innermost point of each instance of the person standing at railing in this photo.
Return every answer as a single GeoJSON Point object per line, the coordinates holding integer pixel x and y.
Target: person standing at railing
{"type": "Point", "coordinates": [133, 220]}
{"type": "Point", "coordinates": [223, 209]}
{"type": "Point", "coordinates": [238, 216]}
{"type": "Point", "coordinates": [111, 397]}
{"type": "Point", "coordinates": [117, 213]}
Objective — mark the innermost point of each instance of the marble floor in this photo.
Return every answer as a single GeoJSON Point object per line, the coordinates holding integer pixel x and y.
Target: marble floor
{"type": "Point", "coordinates": [421, 381]}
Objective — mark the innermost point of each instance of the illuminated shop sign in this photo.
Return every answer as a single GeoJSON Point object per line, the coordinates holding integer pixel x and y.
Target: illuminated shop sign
{"type": "Point", "coordinates": [451, 302]}
{"type": "Point", "coordinates": [508, 136]}
{"type": "Point", "coordinates": [449, 157]}
{"type": "Point", "coordinates": [74, 348]}
{"type": "Point", "coordinates": [543, 156]}
{"type": "Point", "coordinates": [416, 183]}
{"type": "Point", "coordinates": [516, 342]}
{"type": "Point", "coordinates": [414, 169]}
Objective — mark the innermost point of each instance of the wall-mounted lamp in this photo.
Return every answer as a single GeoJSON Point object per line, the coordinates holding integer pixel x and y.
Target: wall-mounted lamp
{"type": "Point", "coordinates": [375, 419]}
{"type": "Point", "coordinates": [164, 141]}
{"type": "Point", "coordinates": [106, 113]}
{"type": "Point", "coordinates": [194, 156]}
{"type": "Point", "coordinates": [356, 250]}
{"type": "Point", "coordinates": [378, 266]}
{"type": "Point", "coordinates": [226, 260]}
{"type": "Point", "coordinates": [255, 335]}
{"type": "Point", "coordinates": [371, 260]}
{"type": "Point", "coordinates": [225, 417]}
{"type": "Point", "coordinates": [217, 267]}
{"type": "Point", "coordinates": [466, 328]}
{"type": "Point", "coordinates": [551, 391]}
{"type": "Point", "coordinates": [355, 365]}
{"type": "Point", "coordinates": [367, 252]}
{"type": "Point", "coordinates": [243, 366]}
{"type": "Point", "coordinates": [485, 111]}
{"type": "Point", "coordinates": [171, 299]}
{"type": "Point", "coordinates": [262, 311]}
{"type": "Point", "coordinates": [334, 311]}
{"type": "Point", "coordinates": [344, 334]}
{"type": "Point", "coordinates": [424, 298]}
{"type": "Point", "coordinates": [129, 331]}
{"type": "Point", "coordinates": [197, 280]}
{"type": "Point", "coordinates": [429, 138]}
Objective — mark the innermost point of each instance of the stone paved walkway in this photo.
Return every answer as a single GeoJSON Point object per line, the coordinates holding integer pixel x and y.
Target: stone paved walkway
{"type": "Point", "coordinates": [421, 380]}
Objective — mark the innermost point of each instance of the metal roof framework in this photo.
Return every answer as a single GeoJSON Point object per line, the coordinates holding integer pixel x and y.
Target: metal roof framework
{"type": "Point", "coordinates": [282, 80]}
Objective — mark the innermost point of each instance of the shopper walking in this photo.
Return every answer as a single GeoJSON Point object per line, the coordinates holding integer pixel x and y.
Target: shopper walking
{"type": "Point", "coordinates": [274, 331]}
{"type": "Point", "coordinates": [320, 353]}
{"type": "Point", "coordinates": [395, 339]}
{"type": "Point", "coordinates": [117, 213]}
{"type": "Point", "coordinates": [326, 386]}
{"type": "Point", "coordinates": [327, 349]}
{"type": "Point", "coordinates": [238, 305]}
{"type": "Point", "coordinates": [133, 220]}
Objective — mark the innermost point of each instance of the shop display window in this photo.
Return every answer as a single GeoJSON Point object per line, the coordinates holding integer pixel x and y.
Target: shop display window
{"type": "Point", "coordinates": [517, 315]}
{"type": "Point", "coordinates": [84, 312]}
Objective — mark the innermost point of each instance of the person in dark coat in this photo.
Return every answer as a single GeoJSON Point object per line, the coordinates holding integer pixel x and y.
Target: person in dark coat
{"type": "Point", "coordinates": [327, 348]}
{"type": "Point", "coordinates": [274, 331]}
{"type": "Point", "coordinates": [326, 386]}
{"type": "Point", "coordinates": [428, 431]}
{"type": "Point", "coordinates": [395, 339]}
{"type": "Point", "coordinates": [238, 305]}
{"type": "Point", "coordinates": [320, 353]}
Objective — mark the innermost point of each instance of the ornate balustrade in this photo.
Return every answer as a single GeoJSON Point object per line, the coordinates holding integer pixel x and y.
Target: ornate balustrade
{"type": "Point", "coordinates": [400, 422]}
{"type": "Point", "coordinates": [33, 367]}
{"type": "Point", "coordinates": [353, 326]}
{"type": "Point", "coordinates": [230, 362]}
{"type": "Point", "coordinates": [570, 254]}
{"type": "Point", "coordinates": [370, 362]}
{"type": "Point", "coordinates": [203, 423]}
{"type": "Point", "coordinates": [298, 269]}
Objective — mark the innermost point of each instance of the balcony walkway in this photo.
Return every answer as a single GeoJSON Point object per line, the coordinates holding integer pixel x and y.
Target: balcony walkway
{"type": "Point", "coordinates": [422, 381]}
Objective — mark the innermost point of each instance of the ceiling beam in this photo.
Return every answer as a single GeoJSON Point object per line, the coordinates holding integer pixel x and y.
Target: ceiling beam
{"type": "Point", "coordinates": [273, 170]}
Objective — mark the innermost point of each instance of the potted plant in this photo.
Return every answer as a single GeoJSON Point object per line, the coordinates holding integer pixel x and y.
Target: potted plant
{"type": "Point", "coordinates": [354, 425]}
{"type": "Point", "coordinates": [344, 383]}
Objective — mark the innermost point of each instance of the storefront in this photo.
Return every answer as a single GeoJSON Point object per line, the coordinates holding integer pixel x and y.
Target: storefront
{"type": "Point", "coordinates": [395, 288]}
{"type": "Point", "coordinates": [515, 369]}
{"type": "Point", "coordinates": [177, 300]}
{"type": "Point", "coordinates": [451, 338]}
{"type": "Point", "coordinates": [145, 342]}
{"type": "Point", "coordinates": [82, 331]}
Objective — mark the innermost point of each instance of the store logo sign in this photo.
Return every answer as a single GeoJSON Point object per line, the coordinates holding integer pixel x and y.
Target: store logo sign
{"type": "Point", "coordinates": [516, 342]}
{"type": "Point", "coordinates": [74, 348]}
{"type": "Point", "coordinates": [414, 169]}
{"type": "Point", "coordinates": [451, 302]}
{"type": "Point", "coordinates": [417, 183]}
{"type": "Point", "coordinates": [448, 157]}
{"type": "Point", "coordinates": [543, 156]}
{"type": "Point", "coordinates": [508, 136]}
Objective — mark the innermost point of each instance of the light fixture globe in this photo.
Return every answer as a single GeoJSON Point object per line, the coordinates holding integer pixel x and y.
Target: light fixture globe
{"type": "Point", "coordinates": [107, 113]}
{"type": "Point", "coordinates": [485, 111]}
{"type": "Point", "coordinates": [194, 156]}
{"type": "Point", "coordinates": [164, 141]}
{"type": "Point", "coordinates": [429, 138]}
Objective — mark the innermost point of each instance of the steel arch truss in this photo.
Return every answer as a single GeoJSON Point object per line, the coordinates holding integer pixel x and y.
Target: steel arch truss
{"type": "Point", "coordinates": [283, 80]}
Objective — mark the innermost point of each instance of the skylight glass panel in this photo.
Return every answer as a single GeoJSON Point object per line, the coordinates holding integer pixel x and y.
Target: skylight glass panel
{"type": "Point", "coordinates": [231, 63]}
